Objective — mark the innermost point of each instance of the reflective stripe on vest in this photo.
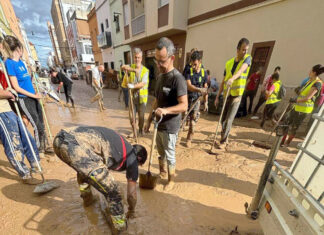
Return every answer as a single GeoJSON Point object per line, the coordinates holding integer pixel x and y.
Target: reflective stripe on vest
{"type": "Point", "coordinates": [143, 92]}
{"type": "Point", "coordinates": [307, 106]}
{"type": "Point", "coordinates": [202, 73]}
{"type": "Point", "coordinates": [238, 86]}
{"type": "Point", "coordinates": [274, 96]}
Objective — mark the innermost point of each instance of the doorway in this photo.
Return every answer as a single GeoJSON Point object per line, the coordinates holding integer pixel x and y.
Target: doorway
{"type": "Point", "coordinates": [261, 54]}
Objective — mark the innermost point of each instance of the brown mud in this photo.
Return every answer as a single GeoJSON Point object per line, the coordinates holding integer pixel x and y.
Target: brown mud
{"type": "Point", "coordinates": [208, 197]}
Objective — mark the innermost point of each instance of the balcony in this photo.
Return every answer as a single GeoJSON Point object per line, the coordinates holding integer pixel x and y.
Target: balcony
{"type": "Point", "coordinates": [138, 25]}
{"type": "Point", "coordinates": [87, 58]}
{"type": "Point", "coordinates": [104, 40]}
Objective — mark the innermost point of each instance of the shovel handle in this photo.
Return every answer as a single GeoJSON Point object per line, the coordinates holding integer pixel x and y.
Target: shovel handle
{"type": "Point", "coordinates": [156, 124]}
{"type": "Point", "coordinates": [220, 118]}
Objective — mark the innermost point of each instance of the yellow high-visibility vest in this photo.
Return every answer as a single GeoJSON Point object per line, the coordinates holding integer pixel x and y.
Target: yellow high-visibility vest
{"type": "Point", "coordinates": [274, 96]}
{"type": "Point", "coordinates": [143, 92]}
{"type": "Point", "coordinates": [238, 86]}
{"type": "Point", "coordinates": [307, 106]}
{"type": "Point", "coordinates": [202, 73]}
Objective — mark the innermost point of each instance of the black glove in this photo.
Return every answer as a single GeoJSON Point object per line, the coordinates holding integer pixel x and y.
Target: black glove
{"type": "Point", "coordinates": [293, 100]}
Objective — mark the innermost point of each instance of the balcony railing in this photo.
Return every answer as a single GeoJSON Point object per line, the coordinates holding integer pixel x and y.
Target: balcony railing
{"type": "Point", "coordinates": [138, 24]}
{"type": "Point", "coordinates": [104, 40]}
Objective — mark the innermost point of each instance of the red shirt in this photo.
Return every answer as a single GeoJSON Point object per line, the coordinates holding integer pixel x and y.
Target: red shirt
{"type": "Point", "coordinates": [254, 80]}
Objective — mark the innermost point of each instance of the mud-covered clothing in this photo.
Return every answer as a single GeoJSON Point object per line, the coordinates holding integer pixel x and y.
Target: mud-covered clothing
{"type": "Point", "coordinates": [65, 79]}
{"type": "Point", "coordinates": [93, 152]}
{"type": "Point", "coordinates": [193, 118]}
{"type": "Point", "coordinates": [15, 143]}
{"type": "Point", "coordinates": [107, 145]}
{"type": "Point", "coordinates": [169, 87]}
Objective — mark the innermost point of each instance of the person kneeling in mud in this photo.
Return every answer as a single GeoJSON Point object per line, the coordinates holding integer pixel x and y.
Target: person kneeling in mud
{"type": "Point", "coordinates": [93, 152]}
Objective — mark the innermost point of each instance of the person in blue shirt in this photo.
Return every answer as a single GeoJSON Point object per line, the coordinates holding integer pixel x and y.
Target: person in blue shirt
{"type": "Point", "coordinates": [28, 98]}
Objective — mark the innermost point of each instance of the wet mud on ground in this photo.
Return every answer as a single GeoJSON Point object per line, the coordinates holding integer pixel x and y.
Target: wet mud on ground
{"type": "Point", "coordinates": [208, 197]}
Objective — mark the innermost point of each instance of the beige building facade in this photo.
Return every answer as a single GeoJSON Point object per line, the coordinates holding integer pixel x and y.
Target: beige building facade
{"type": "Point", "coordinates": [288, 33]}
{"type": "Point", "coordinates": [60, 32]}
{"type": "Point", "coordinates": [147, 21]}
{"type": "Point", "coordinates": [93, 29]}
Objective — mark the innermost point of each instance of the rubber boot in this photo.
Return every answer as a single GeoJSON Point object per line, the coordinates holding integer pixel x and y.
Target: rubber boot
{"type": "Point", "coordinates": [171, 175]}
{"type": "Point", "coordinates": [163, 167]}
{"type": "Point", "coordinates": [290, 138]}
{"type": "Point", "coordinates": [86, 194]}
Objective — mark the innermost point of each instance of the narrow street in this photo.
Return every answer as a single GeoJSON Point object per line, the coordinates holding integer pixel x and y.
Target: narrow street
{"type": "Point", "coordinates": [208, 198]}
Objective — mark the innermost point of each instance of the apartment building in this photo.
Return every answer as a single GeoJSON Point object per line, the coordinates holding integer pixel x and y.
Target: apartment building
{"type": "Point", "coordinates": [104, 35]}
{"type": "Point", "coordinates": [8, 12]}
{"type": "Point", "coordinates": [57, 17]}
{"type": "Point", "coordinates": [122, 51]}
{"type": "Point", "coordinates": [57, 58]}
{"type": "Point", "coordinates": [79, 40]}
{"type": "Point", "coordinates": [288, 33]}
{"type": "Point", "coordinates": [93, 29]}
{"type": "Point", "coordinates": [146, 21]}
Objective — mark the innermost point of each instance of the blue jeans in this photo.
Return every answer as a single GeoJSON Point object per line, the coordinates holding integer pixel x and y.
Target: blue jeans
{"type": "Point", "coordinates": [166, 146]}
{"type": "Point", "coordinates": [15, 143]}
{"type": "Point", "coordinates": [125, 91]}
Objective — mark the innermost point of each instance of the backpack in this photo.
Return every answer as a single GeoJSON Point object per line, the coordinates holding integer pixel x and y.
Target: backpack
{"type": "Point", "coordinates": [282, 92]}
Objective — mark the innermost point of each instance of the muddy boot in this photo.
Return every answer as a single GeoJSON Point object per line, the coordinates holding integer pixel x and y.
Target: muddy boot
{"type": "Point", "coordinates": [86, 194]}
{"type": "Point", "coordinates": [283, 141]}
{"type": "Point", "coordinates": [119, 223]}
{"type": "Point", "coordinates": [163, 167]}
{"type": "Point", "coordinates": [171, 175]}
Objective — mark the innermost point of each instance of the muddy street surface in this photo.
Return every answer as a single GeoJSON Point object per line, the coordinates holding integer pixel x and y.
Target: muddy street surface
{"type": "Point", "coordinates": [208, 197]}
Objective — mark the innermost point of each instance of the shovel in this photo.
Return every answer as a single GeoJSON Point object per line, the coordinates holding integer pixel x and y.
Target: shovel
{"type": "Point", "coordinates": [266, 145]}
{"type": "Point", "coordinates": [148, 181]}
{"type": "Point", "coordinates": [44, 187]}
{"type": "Point", "coordinates": [219, 121]}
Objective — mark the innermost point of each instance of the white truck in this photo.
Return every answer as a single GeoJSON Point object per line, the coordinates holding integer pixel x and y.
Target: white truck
{"type": "Point", "coordinates": [292, 201]}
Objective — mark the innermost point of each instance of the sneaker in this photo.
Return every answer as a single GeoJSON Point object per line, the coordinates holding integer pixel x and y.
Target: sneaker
{"type": "Point", "coordinates": [255, 118]}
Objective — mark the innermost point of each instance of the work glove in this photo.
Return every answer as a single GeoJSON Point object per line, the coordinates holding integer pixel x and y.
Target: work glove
{"type": "Point", "coordinates": [12, 91]}
{"type": "Point", "coordinates": [293, 100]}
{"type": "Point", "coordinates": [130, 86]}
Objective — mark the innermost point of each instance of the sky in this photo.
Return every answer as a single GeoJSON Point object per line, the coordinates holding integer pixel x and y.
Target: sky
{"type": "Point", "coordinates": [34, 15]}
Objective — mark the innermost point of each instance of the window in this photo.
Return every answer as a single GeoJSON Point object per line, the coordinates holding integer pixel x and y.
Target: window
{"type": "Point", "coordinates": [102, 27]}
{"type": "Point", "coordinates": [126, 15]}
{"type": "Point", "coordinates": [88, 49]}
{"type": "Point", "coordinates": [163, 3]}
{"type": "Point", "coordinates": [112, 65]}
{"type": "Point", "coordinates": [107, 24]}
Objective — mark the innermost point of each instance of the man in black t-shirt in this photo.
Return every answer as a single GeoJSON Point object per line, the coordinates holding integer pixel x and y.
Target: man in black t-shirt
{"type": "Point", "coordinates": [170, 101]}
{"type": "Point", "coordinates": [93, 152]}
{"type": "Point", "coordinates": [66, 82]}
{"type": "Point", "coordinates": [197, 86]}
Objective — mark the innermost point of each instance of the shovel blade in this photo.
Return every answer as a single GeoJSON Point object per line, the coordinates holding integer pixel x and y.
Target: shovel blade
{"type": "Point", "coordinates": [45, 187]}
{"type": "Point", "coordinates": [147, 181]}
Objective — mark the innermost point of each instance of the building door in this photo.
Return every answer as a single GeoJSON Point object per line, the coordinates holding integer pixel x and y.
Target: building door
{"type": "Point", "coordinates": [261, 54]}
{"type": "Point", "coordinates": [127, 57]}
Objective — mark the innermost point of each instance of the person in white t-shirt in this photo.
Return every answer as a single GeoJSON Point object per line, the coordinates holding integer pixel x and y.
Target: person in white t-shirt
{"type": "Point", "coordinates": [97, 85]}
